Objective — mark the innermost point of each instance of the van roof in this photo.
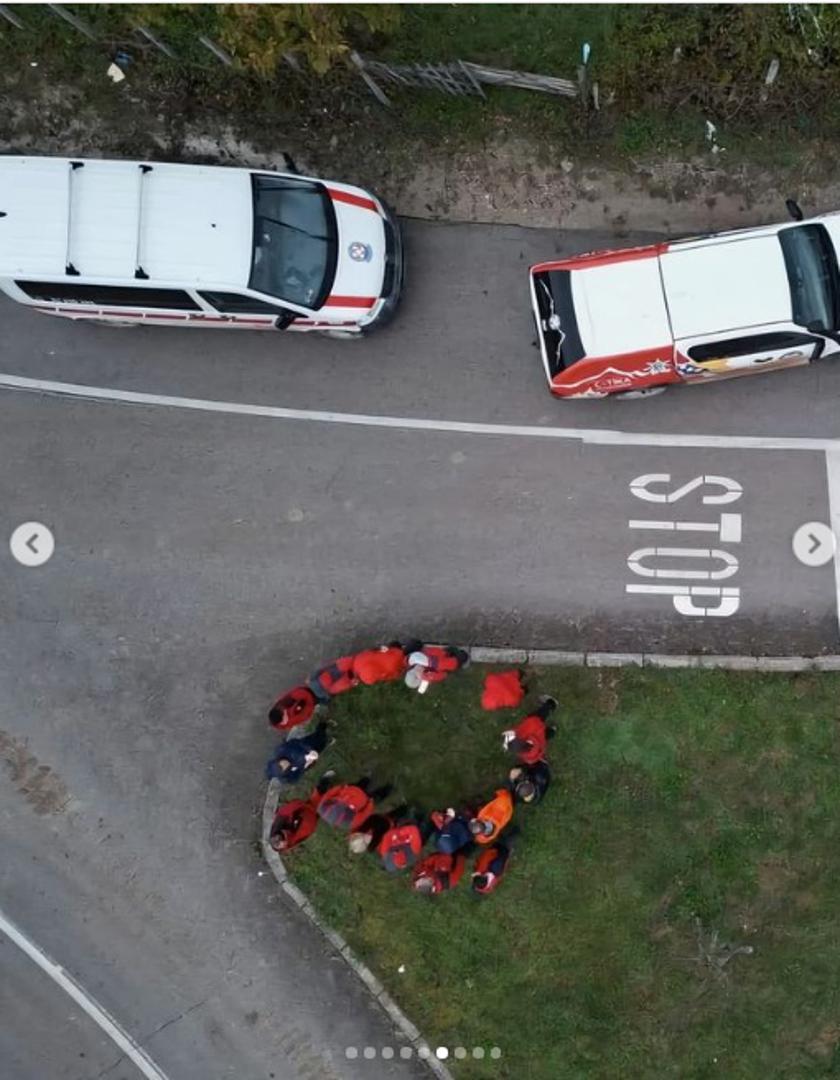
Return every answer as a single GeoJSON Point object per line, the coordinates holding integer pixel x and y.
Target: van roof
{"type": "Point", "coordinates": [187, 224]}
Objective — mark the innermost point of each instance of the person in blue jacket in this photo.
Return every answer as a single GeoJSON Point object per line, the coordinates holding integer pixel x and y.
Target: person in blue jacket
{"type": "Point", "coordinates": [452, 830]}
{"type": "Point", "coordinates": [293, 757]}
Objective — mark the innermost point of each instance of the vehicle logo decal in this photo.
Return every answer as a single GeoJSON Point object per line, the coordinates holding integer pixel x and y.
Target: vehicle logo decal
{"type": "Point", "coordinates": [360, 252]}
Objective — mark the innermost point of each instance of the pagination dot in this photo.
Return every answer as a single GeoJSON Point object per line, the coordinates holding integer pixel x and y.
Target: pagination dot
{"type": "Point", "coordinates": [387, 1052]}
{"type": "Point", "coordinates": [406, 1052]}
{"type": "Point", "coordinates": [442, 1052]}
{"type": "Point", "coordinates": [478, 1052]}
{"type": "Point", "coordinates": [496, 1052]}
{"type": "Point", "coordinates": [351, 1053]}
{"type": "Point", "coordinates": [460, 1052]}
{"type": "Point", "coordinates": [370, 1052]}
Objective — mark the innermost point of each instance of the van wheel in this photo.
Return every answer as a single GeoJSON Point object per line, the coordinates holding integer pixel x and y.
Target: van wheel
{"type": "Point", "coordinates": [647, 391]}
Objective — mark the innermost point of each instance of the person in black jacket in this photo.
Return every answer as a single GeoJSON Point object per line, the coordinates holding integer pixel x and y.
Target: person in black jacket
{"type": "Point", "coordinates": [529, 783]}
{"type": "Point", "coordinates": [293, 757]}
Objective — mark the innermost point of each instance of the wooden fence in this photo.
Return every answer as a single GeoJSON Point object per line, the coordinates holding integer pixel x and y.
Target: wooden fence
{"type": "Point", "coordinates": [458, 79]}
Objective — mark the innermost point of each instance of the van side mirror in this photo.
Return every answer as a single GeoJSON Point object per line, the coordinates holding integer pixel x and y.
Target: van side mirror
{"type": "Point", "coordinates": [794, 209]}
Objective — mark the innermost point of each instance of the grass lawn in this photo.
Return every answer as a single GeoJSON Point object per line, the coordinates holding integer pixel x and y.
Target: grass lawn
{"type": "Point", "coordinates": [681, 801]}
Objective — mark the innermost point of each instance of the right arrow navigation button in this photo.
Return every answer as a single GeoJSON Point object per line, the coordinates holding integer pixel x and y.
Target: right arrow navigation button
{"type": "Point", "coordinates": [814, 544]}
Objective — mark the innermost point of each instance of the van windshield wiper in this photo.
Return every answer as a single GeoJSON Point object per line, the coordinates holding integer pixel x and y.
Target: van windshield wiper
{"type": "Point", "coordinates": [294, 228]}
{"type": "Point", "coordinates": [553, 323]}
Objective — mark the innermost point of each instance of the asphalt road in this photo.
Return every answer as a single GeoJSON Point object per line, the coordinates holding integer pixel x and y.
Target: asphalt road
{"type": "Point", "coordinates": [204, 561]}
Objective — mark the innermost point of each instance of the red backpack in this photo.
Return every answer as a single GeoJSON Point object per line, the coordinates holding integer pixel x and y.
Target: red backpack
{"type": "Point", "coordinates": [344, 805]}
{"type": "Point", "coordinates": [400, 847]}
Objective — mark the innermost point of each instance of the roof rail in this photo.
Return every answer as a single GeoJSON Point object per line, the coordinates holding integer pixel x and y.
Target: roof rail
{"type": "Point", "coordinates": [139, 272]}
{"type": "Point", "coordinates": [69, 266]}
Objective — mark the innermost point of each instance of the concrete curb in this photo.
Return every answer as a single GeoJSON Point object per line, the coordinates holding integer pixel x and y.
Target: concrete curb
{"type": "Point", "coordinates": [483, 654]}
{"type": "Point", "coordinates": [398, 1018]}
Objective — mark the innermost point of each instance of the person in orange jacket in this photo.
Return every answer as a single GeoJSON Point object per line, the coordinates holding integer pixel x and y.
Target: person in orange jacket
{"type": "Point", "coordinates": [438, 873]}
{"type": "Point", "coordinates": [493, 817]}
{"type": "Point", "coordinates": [490, 867]}
{"type": "Point", "coordinates": [296, 820]}
{"type": "Point", "coordinates": [385, 664]}
{"type": "Point", "coordinates": [294, 707]}
{"type": "Point", "coordinates": [528, 740]}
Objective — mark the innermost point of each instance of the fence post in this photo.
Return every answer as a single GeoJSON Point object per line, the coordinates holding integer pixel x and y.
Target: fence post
{"type": "Point", "coordinates": [479, 89]}
{"type": "Point", "coordinates": [73, 20]}
{"type": "Point", "coordinates": [149, 36]}
{"type": "Point", "coordinates": [216, 50]}
{"type": "Point", "coordinates": [377, 91]}
{"type": "Point", "coordinates": [582, 84]}
{"type": "Point", "coordinates": [10, 16]}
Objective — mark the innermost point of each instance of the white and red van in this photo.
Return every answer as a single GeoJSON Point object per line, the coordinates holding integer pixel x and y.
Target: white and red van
{"type": "Point", "coordinates": [130, 242]}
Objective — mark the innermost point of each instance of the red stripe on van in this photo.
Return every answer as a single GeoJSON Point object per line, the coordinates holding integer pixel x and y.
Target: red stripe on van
{"type": "Point", "coordinates": [350, 301]}
{"type": "Point", "coordinates": [353, 200]}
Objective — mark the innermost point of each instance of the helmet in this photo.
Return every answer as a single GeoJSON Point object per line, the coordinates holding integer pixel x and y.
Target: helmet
{"type": "Point", "coordinates": [413, 678]}
{"type": "Point", "coordinates": [526, 791]}
{"type": "Point", "coordinates": [358, 842]}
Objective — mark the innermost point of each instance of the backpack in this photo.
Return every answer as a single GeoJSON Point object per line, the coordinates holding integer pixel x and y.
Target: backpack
{"type": "Point", "coordinates": [341, 806]}
{"type": "Point", "coordinates": [400, 847]}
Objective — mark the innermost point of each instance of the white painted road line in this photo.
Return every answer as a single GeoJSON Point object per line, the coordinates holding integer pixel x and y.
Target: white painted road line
{"type": "Point", "coordinates": [130, 1047]}
{"type": "Point", "coordinates": [832, 469]}
{"type": "Point", "coordinates": [594, 436]}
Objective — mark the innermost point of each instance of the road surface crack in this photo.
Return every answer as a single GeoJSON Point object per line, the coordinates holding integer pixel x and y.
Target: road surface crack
{"type": "Point", "coordinates": [145, 1038]}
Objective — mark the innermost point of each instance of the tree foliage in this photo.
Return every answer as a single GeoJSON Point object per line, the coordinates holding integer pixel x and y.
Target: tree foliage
{"type": "Point", "coordinates": [257, 35]}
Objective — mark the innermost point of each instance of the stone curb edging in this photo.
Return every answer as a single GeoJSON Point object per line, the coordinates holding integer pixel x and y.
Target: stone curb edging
{"type": "Point", "coordinates": [482, 654]}
{"type": "Point", "coordinates": [485, 654]}
{"type": "Point", "coordinates": [298, 897]}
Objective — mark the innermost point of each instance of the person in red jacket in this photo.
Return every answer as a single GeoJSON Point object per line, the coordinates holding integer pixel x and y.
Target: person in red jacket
{"type": "Point", "coordinates": [346, 806]}
{"type": "Point", "coordinates": [332, 679]}
{"type": "Point", "coordinates": [297, 819]}
{"type": "Point", "coordinates": [528, 740]}
{"type": "Point", "coordinates": [438, 872]}
{"type": "Point", "coordinates": [490, 867]}
{"type": "Point", "coordinates": [385, 664]}
{"type": "Point", "coordinates": [433, 663]}
{"type": "Point", "coordinates": [502, 690]}
{"type": "Point", "coordinates": [292, 708]}
{"type": "Point", "coordinates": [401, 845]}
{"type": "Point", "coordinates": [368, 835]}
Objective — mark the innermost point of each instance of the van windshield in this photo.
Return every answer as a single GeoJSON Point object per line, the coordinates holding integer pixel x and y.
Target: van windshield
{"type": "Point", "coordinates": [811, 266]}
{"type": "Point", "coordinates": [295, 246]}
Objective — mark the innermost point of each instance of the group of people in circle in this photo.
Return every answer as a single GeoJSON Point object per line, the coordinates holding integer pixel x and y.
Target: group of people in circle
{"type": "Point", "coordinates": [398, 837]}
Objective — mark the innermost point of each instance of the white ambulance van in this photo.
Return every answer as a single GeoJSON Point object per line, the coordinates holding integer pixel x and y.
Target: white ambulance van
{"type": "Point", "coordinates": [128, 242]}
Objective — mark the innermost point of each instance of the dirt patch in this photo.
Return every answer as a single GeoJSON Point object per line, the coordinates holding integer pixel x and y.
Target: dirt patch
{"type": "Point", "coordinates": [38, 784]}
{"type": "Point", "coordinates": [607, 697]}
{"type": "Point", "coordinates": [774, 878]}
{"type": "Point", "coordinates": [508, 179]}
{"type": "Point", "coordinates": [825, 1042]}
